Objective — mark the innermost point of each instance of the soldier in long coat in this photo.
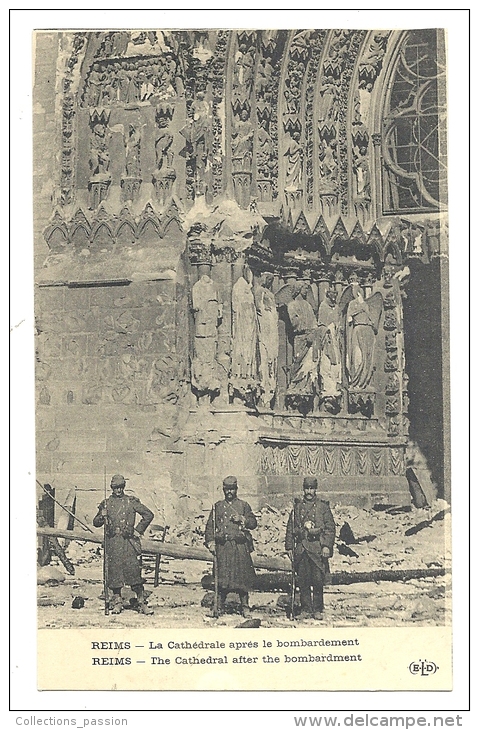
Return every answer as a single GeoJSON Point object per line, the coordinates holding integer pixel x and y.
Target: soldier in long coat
{"type": "Point", "coordinates": [123, 547]}
{"type": "Point", "coordinates": [310, 534]}
{"type": "Point", "coordinates": [228, 536]}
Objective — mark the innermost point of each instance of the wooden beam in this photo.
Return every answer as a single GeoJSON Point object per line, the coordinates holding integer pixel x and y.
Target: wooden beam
{"type": "Point", "coordinates": [169, 549]}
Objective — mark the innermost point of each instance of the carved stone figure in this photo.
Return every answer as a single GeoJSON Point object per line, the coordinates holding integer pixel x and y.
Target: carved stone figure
{"type": "Point", "coordinates": [328, 166]}
{"type": "Point", "coordinates": [244, 65]}
{"type": "Point", "coordinates": [362, 174]}
{"type": "Point", "coordinates": [164, 154]}
{"type": "Point", "coordinates": [264, 152]}
{"type": "Point", "coordinates": [99, 155]}
{"type": "Point", "coordinates": [133, 91]}
{"type": "Point", "coordinates": [244, 358]}
{"type": "Point", "coordinates": [133, 152]}
{"type": "Point", "coordinates": [268, 337]}
{"type": "Point", "coordinates": [242, 140]}
{"type": "Point", "coordinates": [198, 135]}
{"type": "Point", "coordinates": [362, 320]}
{"type": "Point", "coordinates": [328, 108]}
{"type": "Point", "coordinates": [94, 86]}
{"type": "Point", "coordinates": [207, 310]}
{"type": "Point", "coordinates": [294, 163]}
{"type": "Point", "coordinates": [330, 353]}
{"type": "Point", "coordinates": [303, 381]}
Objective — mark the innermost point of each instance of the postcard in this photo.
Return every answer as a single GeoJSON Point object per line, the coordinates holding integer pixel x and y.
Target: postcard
{"type": "Point", "coordinates": [242, 358]}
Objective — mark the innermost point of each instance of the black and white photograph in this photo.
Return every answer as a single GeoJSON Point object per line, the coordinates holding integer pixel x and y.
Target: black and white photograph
{"type": "Point", "coordinates": [242, 356]}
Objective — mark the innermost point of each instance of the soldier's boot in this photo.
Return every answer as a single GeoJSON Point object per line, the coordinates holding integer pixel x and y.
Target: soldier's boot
{"type": "Point", "coordinates": [222, 596]}
{"type": "Point", "coordinates": [116, 603]}
{"type": "Point", "coordinates": [318, 602]}
{"type": "Point", "coordinates": [245, 609]}
{"type": "Point", "coordinates": [142, 606]}
{"type": "Point", "coordinates": [306, 602]}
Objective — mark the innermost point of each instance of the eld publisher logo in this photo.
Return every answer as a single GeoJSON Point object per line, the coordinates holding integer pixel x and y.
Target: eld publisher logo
{"type": "Point", "coordinates": [423, 667]}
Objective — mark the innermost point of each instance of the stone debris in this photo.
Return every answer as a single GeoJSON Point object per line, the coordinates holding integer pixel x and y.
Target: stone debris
{"type": "Point", "coordinates": [387, 537]}
{"type": "Point", "coordinates": [49, 574]}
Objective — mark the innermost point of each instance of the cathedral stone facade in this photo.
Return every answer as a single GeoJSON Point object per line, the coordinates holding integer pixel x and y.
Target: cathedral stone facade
{"type": "Point", "coordinates": [240, 262]}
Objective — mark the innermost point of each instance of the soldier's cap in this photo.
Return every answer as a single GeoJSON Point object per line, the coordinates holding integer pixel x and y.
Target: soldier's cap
{"type": "Point", "coordinates": [310, 483]}
{"type": "Point", "coordinates": [230, 483]}
{"type": "Point", "coordinates": [117, 480]}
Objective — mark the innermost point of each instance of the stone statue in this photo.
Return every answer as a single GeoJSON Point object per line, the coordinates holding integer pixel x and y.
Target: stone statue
{"type": "Point", "coordinates": [164, 153]}
{"type": "Point", "coordinates": [207, 310]}
{"type": "Point", "coordinates": [94, 86]}
{"type": "Point", "coordinates": [198, 135]}
{"type": "Point", "coordinates": [361, 172]}
{"type": "Point", "coordinates": [242, 140]}
{"type": "Point", "coordinates": [294, 163]}
{"type": "Point", "coordinates": [303, 381]}
{"type": "Point", "coordinates": [362, 322]}
{"type": "Point", "coordinates": [99, 155]}
{"type": "Point", "coordinates": [244, 351]}
{"type": "Point", "coordinates": [330, 353]}
{"type": "Point", "coordinates": [268, 338]}
{"type": "Point", "coordinates": [133, 152]}
{"type": "Point", "coordinates": [328, 166]}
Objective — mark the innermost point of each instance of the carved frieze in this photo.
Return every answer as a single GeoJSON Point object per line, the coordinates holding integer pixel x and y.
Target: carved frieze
{"type": "Point", "coordinates": [328, 460]}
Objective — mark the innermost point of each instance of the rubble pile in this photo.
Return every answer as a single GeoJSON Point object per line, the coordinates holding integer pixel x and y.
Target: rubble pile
{"type": "Point", "coordinates": [367, 540]}
{"type": "Point", "coordinates": [379, 539]}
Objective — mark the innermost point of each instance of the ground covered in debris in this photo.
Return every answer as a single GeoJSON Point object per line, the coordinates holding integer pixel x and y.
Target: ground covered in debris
{"type": "Point", "coordinates": [368, 540]}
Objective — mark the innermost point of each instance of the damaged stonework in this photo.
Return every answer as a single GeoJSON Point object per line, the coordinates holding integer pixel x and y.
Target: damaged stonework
{"type": "Point", "coordinates": [230, 270]}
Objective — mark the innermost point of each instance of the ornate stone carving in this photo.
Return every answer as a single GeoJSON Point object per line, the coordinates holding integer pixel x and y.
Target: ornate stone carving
{"type": "Point", "coordinates": [361, 402]}
{"type": "Point", "coordinates": [361, 461]}
{"type": "Point", "coordinates": [333, 460]}
{"type": "Point", "coordinates": [371, 61]}
{"type": "Point", "coordinates": [100, 177]}
{"type": "Point", "coordinates": [271, 45]}
{"type": "Point", "coordinates": [390, 319]}
{"type": "Point", "coordinates": [242, 155]}
{"type": "Point", "coordinates": [316, 42]}
{"type": "Point", "coordinates": [68, 120]}
{"type": "Point", "coordinates": [294, 155]}
{"type": "Point", "coordinates": [198, 135]}
{"type": "Point", "coordinates": [353, 43]}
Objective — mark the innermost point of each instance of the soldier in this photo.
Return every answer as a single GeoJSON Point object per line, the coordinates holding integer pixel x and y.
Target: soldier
{"type": "Point", "coordinates": [123, 547]}
{"type": "Point", "coordinates": [228, 536]}
{"type": "Point", "coordinates": [309, 542]}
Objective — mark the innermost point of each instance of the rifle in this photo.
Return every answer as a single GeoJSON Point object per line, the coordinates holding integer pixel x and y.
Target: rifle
{"type": "Point", "coordinates": [105, 561]}
{"type": "Point", "coordinates": [215, 566]}
{"type": "Point", "coordinates": [293, 572]}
